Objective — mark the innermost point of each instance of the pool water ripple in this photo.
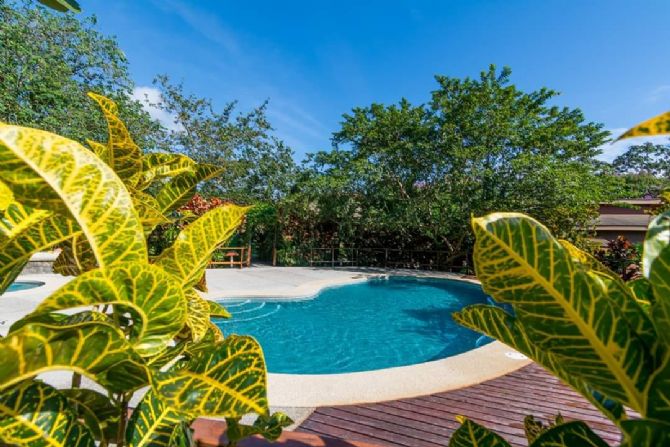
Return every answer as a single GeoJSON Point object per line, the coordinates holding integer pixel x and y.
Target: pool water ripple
{"type": "Point", "coordinates": [359, 327]}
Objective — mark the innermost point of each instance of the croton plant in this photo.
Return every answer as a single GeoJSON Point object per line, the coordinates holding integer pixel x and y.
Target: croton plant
{"type": "Point", "coordinates": [129, 323]}
{"type": "Point", "coordinates": [606, 338]}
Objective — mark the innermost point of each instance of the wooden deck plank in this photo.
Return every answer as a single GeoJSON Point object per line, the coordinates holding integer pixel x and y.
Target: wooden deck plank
{"type": "Point", "coordinates": [428, 421]}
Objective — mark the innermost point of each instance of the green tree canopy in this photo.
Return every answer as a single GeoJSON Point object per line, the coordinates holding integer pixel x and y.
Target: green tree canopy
{"type": "Point", "coordinates": [258, 165]}
{"type": "Point", "coordinates": [50, 61]}
{"type": "Point", "coordinates": [404, 175]}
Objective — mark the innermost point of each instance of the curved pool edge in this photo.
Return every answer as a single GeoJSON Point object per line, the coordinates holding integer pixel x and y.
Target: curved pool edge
{"type": "Point", "coordinates": [451, 373]}
{"type": "Point", "coordinates": [312, 289]}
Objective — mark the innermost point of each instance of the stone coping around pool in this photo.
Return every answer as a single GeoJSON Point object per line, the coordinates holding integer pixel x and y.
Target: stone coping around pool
{"type": "Point", "coordinates": [459, 371]}
{"type": "Point", "coordinates": [312, 288]}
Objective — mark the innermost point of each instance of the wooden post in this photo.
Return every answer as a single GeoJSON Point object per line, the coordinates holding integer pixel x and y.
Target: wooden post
{"type": "Point", "coordinates": [332, 256]}
{"type": "Point", "coordinates": [386, 257]}
{"type": "Point", "coordinates": [249, 256]}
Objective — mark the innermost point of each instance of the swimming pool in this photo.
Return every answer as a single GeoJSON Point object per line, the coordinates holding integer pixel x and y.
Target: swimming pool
{"type": "Point", "coordinates": [23, 285]}
{"type": "Point", "coordinates": [380, 323]}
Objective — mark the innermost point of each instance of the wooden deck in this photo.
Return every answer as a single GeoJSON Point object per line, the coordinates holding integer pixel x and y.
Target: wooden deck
{"type": "Point", "coordinates": [500, 404]}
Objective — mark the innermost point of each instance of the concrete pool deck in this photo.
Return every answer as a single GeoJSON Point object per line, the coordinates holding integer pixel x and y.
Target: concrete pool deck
{"type": "Point", "coordinates": [300, 394]}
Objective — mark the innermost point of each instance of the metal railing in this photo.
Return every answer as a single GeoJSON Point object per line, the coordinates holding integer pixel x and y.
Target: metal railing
{"type": "Point", "coordinates": [379, 257]}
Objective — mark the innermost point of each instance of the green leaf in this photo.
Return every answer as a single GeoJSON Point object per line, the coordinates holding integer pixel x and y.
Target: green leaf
{"type": "Point", "coordinates": [57, 320]}
{"type": "Point", "coordinates": [153, 423]}
{"type": "Point", "coordinates": [62, 5]}
{"type": "Point", "coordinates": [565, 308]}
{"type": "Point", "coordinates": [496, 323]}
{"type": "Point", "coordinates": [96, 410]}
{"type": "Point", "coordinates": [156, 166]}
{"type": "Point", "coordinates": [227, 379]}
{"type": "Point", "coordinates": [658, 125]}
{"type": "Point", "coordinates": [146, 290]}
{"type": "Point", "coordinates": [197, 318]}
{"type": "Point", "coordinates": [268, 426]}
{"type": "Point", "coordinates": [75, 258]}
{"type": "Point", "coordinates": [189, 255]}
{"type": "Point", "coordinates": [34, 414]}
{"type": "Point", "coordinates": [181, 188]}
{"type": "Point", "coordinates": [641, 290]}
{"type": "Point", "coordinates": [149, 211]}
{"type": "Point", "coordinates": [46, 171]}
{"type": "Point", "coordinates": [94, 349]}
{"type": "Point", "coordinates": [27, 232]}
{"type": "Point", "coordinates": [617, 291]}
{"type": "Point", "coordinates": [216, 310]}
{"type": "Point", "coordinates": [124, 156]}
{"type": "Point", "coordinates": [471, 434]}
{"type": "Point", "coordinates": [656, 240]}
{"type": "Point", "coordinates": [570, 434]}
{"type": "Point", "coordinates": [646, 433]}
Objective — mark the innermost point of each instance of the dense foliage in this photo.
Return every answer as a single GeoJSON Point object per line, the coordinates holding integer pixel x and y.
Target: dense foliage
{"type": "Point", "coordinates": [50, 62]}
{"type": "Point", "coordinates": [410, 176]}
{"type": "Point", "coordinates": [140, 322]}
{"type": "Point", "coordinates": [258, 165]}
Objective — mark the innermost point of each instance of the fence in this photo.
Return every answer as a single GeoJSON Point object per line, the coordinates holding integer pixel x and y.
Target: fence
{"type": "Point", "coordinates": [231, 257]}
{"type": "Point", "coordinates": [380, 257]}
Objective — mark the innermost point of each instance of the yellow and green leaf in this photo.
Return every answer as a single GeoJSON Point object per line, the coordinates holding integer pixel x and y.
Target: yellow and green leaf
{"type": "Point", "coordinates": [123, 155]}
{"type": "Point", "coordinates": [158, 165]}
{"type": "Point", "coordinates": [268, 426]}
{"type": "Point", "coordinates": [216, 310]}
{"type": "Point", "coordinates": [569, 434]}
{"type": "Point", "coordinates": [96, 410]}
{"type": "Point", "coordinates": [46, 171]}
{"type": "Point", "coordinates": [197, 318]}
{"type": "Point", "coordinates": [152, 424]}
{"type": "Point", "coordinates": [62, 5]}
{"type": "Point", "coordinates": [94, 349]}
{"type": "Point", "coordinates": [189, 255]}
{"type": "Point", "coordinates": [145, 290]}
{"type": "Point", "coordinates": [658, 125]}
{"type": "Point", "coordinates": [181, 188]}
{"type": "Point", "coordinates": [565, 308]}
{"type": "Point", "coordinates": [471, 434]}
{"type": "Point", "coordinates": [228, 379]}
{"type": "Point", "coordinates": [498, 324]}
{"type": "Point", "coordinates": [34, 414]}
{"type": "Point", "coordinates": [27, 232]}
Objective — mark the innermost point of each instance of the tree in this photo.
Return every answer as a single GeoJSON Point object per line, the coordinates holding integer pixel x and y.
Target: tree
{"type": "Point", "coordinates": [411, 176]}
{"type": "Point", "coordinates": [50, 61]}
{"type": "Point", "coordinates": [644, 159]}
{"type": "Point", "coordinates": [258, 165]}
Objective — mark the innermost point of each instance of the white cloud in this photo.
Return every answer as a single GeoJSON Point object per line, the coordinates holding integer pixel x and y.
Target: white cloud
{"type": "Point", "coordinates": [613, 149]}
{"type": "Point", "coordinates": [660, 93]}
{"type": "Point", "coordinates": [150, 98]}
{"type": "Point", "coordinates": [205, 23]}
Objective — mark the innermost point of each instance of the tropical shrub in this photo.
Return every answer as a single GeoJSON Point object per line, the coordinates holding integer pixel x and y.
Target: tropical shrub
{"type": "Point", "coordinates": [622, 257]}
{"type": "Point", "coordinates": [607, 339]}
{"type": "Point", "coordinates": [125, 322]}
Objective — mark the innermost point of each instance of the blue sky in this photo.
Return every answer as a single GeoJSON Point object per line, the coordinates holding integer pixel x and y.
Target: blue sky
{"type": "Point", "coordinates": [315, 60]}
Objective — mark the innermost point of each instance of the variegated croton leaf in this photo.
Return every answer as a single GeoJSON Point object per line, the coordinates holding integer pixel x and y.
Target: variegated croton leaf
{"type": "Point", "coordinates": [225, 379]}
{"type": "Point", "coordinates": [564, 308]}
{"type": "Point", "coordinates": [35, 414]}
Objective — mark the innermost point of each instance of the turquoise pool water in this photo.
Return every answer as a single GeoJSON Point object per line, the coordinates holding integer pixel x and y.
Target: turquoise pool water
{"type": "Point", "coordinates": [23, 285]}
{"type": "Point", "coordinates": [360, 327]}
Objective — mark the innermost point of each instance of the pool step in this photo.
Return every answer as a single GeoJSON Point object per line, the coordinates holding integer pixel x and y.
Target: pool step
{"type": "Point", "coordinates": [248, 310]}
